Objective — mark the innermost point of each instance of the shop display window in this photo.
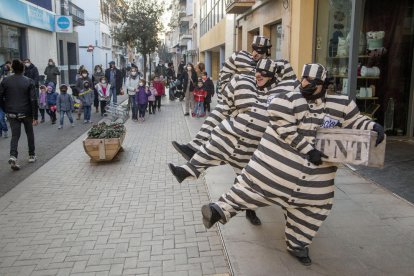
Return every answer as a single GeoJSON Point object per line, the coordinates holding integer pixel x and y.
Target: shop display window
{"type": "Point", "coordinates": [385, 56]}
{"type": "Point", "coordinates": [10, 43]}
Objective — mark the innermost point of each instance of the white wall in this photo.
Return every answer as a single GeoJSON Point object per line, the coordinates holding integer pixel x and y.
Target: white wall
{"type": "Point", "coordinates": [230, 47]}
{"type": "Point", "coordinates": [41, 45]}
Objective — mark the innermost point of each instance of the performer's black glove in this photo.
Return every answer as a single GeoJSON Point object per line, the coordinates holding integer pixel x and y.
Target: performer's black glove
{"type": "Point", "coordinates": [315, 157]}
{"type": "Point", "coordinates": [380, 131]}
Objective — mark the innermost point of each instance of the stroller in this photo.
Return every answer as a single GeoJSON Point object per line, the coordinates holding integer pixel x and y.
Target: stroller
{"type": "Point", "coordinates": [176, 90]}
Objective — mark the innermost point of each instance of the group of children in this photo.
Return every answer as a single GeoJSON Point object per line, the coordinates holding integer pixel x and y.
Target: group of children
{"type": "Point", "coordinates": [142, 96]}
{"type": "Point", "coordinates": [51, 102]}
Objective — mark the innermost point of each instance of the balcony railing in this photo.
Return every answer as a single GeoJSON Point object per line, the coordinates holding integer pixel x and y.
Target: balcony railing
{"type": "Point", "coordinates": [77, 13]}
{"type": "Point", "coordinates": [238, 6]}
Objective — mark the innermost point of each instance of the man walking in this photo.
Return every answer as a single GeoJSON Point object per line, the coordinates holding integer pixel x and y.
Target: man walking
{"type": "Point", "coordinates": [18, 100]}
{"type": "Point", "coordinates": [31, 72]}
{"type": "Point", "coordinates": [114, 76]}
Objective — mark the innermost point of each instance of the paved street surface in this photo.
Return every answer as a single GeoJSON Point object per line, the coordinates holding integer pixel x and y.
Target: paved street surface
{"type": "Point", "coordinates": [49, 141]}
{"type": "Point", "coordinates": [397, 174]}
{"type": "Point", "coordinates": [131, 217]}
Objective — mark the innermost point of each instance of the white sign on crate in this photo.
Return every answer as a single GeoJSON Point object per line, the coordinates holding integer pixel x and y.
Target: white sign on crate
{"type": "Point", "coordinates": [351, 146]}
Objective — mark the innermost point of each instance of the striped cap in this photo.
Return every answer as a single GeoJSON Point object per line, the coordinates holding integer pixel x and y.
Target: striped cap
{"type": "Point", "coordinates": [267, 65]}
{"type": "Point", "coordinates": [314, 70]}
{"type": "Point", "coordinates": [261, 41]}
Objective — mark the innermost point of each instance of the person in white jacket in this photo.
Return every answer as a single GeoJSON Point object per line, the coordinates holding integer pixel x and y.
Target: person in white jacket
{"type": "Point", "coordinates": [131, 86]}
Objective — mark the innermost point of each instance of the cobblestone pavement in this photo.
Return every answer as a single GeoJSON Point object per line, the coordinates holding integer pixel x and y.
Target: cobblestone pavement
{"type": "Point", "coordinates": [127, 217]}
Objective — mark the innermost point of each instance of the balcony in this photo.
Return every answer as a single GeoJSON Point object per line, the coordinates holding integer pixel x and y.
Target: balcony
{"type": "Point", "coordinates": [238, 6]}
{"type": "Point", "coordinates": [77, 13]}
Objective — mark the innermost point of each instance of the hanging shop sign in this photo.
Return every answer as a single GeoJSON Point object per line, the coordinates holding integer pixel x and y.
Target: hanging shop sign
{"type": "Point", "coordinates": [63, 24]}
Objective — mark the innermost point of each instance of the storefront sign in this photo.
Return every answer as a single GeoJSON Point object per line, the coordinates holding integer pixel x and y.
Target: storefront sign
{"type": "Point", "coordinates": [27, 14]}
{"type": "Point", "coordinates": [63, 24]}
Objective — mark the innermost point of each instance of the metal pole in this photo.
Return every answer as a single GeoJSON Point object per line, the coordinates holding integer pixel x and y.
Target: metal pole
{"type": "Point", "coordinates": [93, 65]}
{"type": "Point", "coordinates": [356, 20]}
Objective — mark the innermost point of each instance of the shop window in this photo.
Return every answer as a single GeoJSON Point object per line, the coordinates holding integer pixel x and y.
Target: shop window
{"type": "Point", "coordinates": [385, 57]}
{"type": "Point", "coordinates": [250, 36]}
{"type": "Point", "coordinates": [10, 43]}
{"type": "Point", "coordinates": [276, 40]}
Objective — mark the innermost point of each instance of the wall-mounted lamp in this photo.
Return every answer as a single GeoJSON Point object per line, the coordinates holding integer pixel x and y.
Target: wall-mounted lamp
{"type": "Point", "coordinates": [286, 4]}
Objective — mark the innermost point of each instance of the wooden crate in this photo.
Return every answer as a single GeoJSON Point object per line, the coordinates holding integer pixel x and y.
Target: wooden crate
{"type": "Point", "coordinates": [351, 146]}
{"type": "Point", "coordinates": [103, 149]}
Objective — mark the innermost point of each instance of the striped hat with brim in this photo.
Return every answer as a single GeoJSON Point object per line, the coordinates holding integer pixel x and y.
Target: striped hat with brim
{"type": "Point", "coordinates": [266, 67]}
{"type": "Point", "coordinates": [261, 42]}
{"type": "Point", "coordinates": [314, 70]}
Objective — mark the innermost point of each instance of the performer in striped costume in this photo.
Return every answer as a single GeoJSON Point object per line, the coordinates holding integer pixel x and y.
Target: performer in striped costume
{"type": "Point", "coordinates": [286, 169]}
{"type": "Point", "coordinates": [241, 62]}
{"type": "Point", "coordinates": [235, 139]}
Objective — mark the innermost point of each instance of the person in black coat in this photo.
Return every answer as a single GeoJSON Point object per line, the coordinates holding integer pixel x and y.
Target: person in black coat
{"type": "Point", "coordinates": [114, 77]}
{"type": "Point", "coordinates": [189, 81]}
{"type": "Point", "coordinates": [19, 101]}
{"type": "Point", "coordinates": [31, 72]}
{"type": "Point", "coordinates": [209, 87]}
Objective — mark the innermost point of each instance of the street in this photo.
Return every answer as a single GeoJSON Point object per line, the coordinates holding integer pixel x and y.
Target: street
{"type": "Point", "coordinates": [49, 141]}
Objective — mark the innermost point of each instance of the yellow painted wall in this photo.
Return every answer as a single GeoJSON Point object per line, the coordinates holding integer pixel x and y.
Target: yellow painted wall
{"type": "Point", "coordinates": [302, 33]}
{"type": "Point", "coordinates": [216, 36]}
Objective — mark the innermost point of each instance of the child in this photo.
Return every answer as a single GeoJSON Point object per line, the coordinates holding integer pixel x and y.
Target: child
{"type": "Point", "coordinates": [199, 95]}
{"type": "Point", "coordinates": [159, 86]}
{"type": "Point", "coordinates": [51, 98]}
{"type": "Point", "coordinates": [141, 98]}
{"type": "Point", "coordinates": [42, 102]}
{"type": "Point", "coordinates": [104, 92]}
{"type": "Point", "coordinates": [209, 87]}
{"type": "Point", "coordinates": [64, 105]}
{"type": "Point", "coordinates": [86, 96]}
{"type": "Point", "coordinates": [151, 99]}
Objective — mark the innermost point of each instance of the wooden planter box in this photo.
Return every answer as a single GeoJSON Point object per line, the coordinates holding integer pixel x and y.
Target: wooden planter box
{"type": "Point", "coordinates": [103, 149]}
{"type": "Point", "coordinates": [351, 146]}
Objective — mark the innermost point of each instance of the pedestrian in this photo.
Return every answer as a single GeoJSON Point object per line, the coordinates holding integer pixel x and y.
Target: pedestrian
{"type": "Point", "coordinates": [79, 87]}
{"type": "Point", "coordinates": [151, 98]}
{"type": "Point", "coordinates": [42, 102]}
{"type": "Point", "coordinates": [87, 96]}
{"type": "Point", "coordinates": [209, 87]}
{"type": "Point", "coordinates": [160, 87]}
{"type": "Point", "coordinates": [65, 105]}
{"type": "Point", "coordinates": [79, 73]}
{"type": "Point", "coordinates": [19, 102]}
{"type": "Point", "coordinates": [3, 125]}
{"type": "Point", "coordinates": [31, 72]}
{"type": "Point", "coordinates": [244, 121]}
{"type": "Point", "coordinates": [170, 73]}
{"type": "Point", "coordinates": [114, 77]}
{"type": "Point", "coordinates": [97, 74]}
{"type": "Point", "coordinates": [160, 70]}
{"type": "Point", "coordinates": [200, 68]}
{"type": "Point", "coordinates": [181, 69]}
{"type": "Point", "coordinates": [51, 72]}
{"type": "Point", "coordinates": [189, 80]}
{"type": "Point", "coordinates": [141, 99]}
{"type": "Point", "coordinates": [131, 85]}
{"type": "Point", "coordinates": [5, 70]}
{"type": "Point", "coordinates": [199, 96]}
{"type": "Point", "coordinates": [104, 92]}
{"type": "Point", "coordinates": [51, 99]}
{"type": "Point", "coordinates": [286, 169]}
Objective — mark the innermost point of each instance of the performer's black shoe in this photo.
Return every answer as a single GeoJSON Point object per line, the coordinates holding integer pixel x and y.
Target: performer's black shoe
{"type": "Point", "coordinates": [305, 260]}
{"type": "Point", "coordinates": [185, 150]}
{"type": "Point", "coordinates": [252, 217]}
{"type": "Point", "coordinates": [179, 173]}
{"type": "Point", "coordinates": [210, 215]}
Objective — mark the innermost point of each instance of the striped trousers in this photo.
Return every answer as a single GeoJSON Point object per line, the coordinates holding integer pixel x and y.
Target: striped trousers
{"type": "Point", "coordinates": [221, 149]}
{"type": "Point", "coordinates": [302, 221]}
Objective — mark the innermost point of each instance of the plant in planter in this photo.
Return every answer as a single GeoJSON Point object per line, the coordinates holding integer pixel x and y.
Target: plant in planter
{"type": "Point", "coordinates": [104, 141]}
{"type": "Point", "coordinates": [106, 131]}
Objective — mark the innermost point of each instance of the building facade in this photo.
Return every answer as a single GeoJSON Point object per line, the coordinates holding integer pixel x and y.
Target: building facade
{"type": "Point", "coordinates": [27, 31]}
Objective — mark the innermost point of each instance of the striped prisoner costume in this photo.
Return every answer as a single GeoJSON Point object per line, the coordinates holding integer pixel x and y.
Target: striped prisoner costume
{"type": "Point", "coordinates": [279, 172]}
{"type": "Point", "coordinates": [235, 65]}
{"type": "Point", "coordinates": [235, 139]}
